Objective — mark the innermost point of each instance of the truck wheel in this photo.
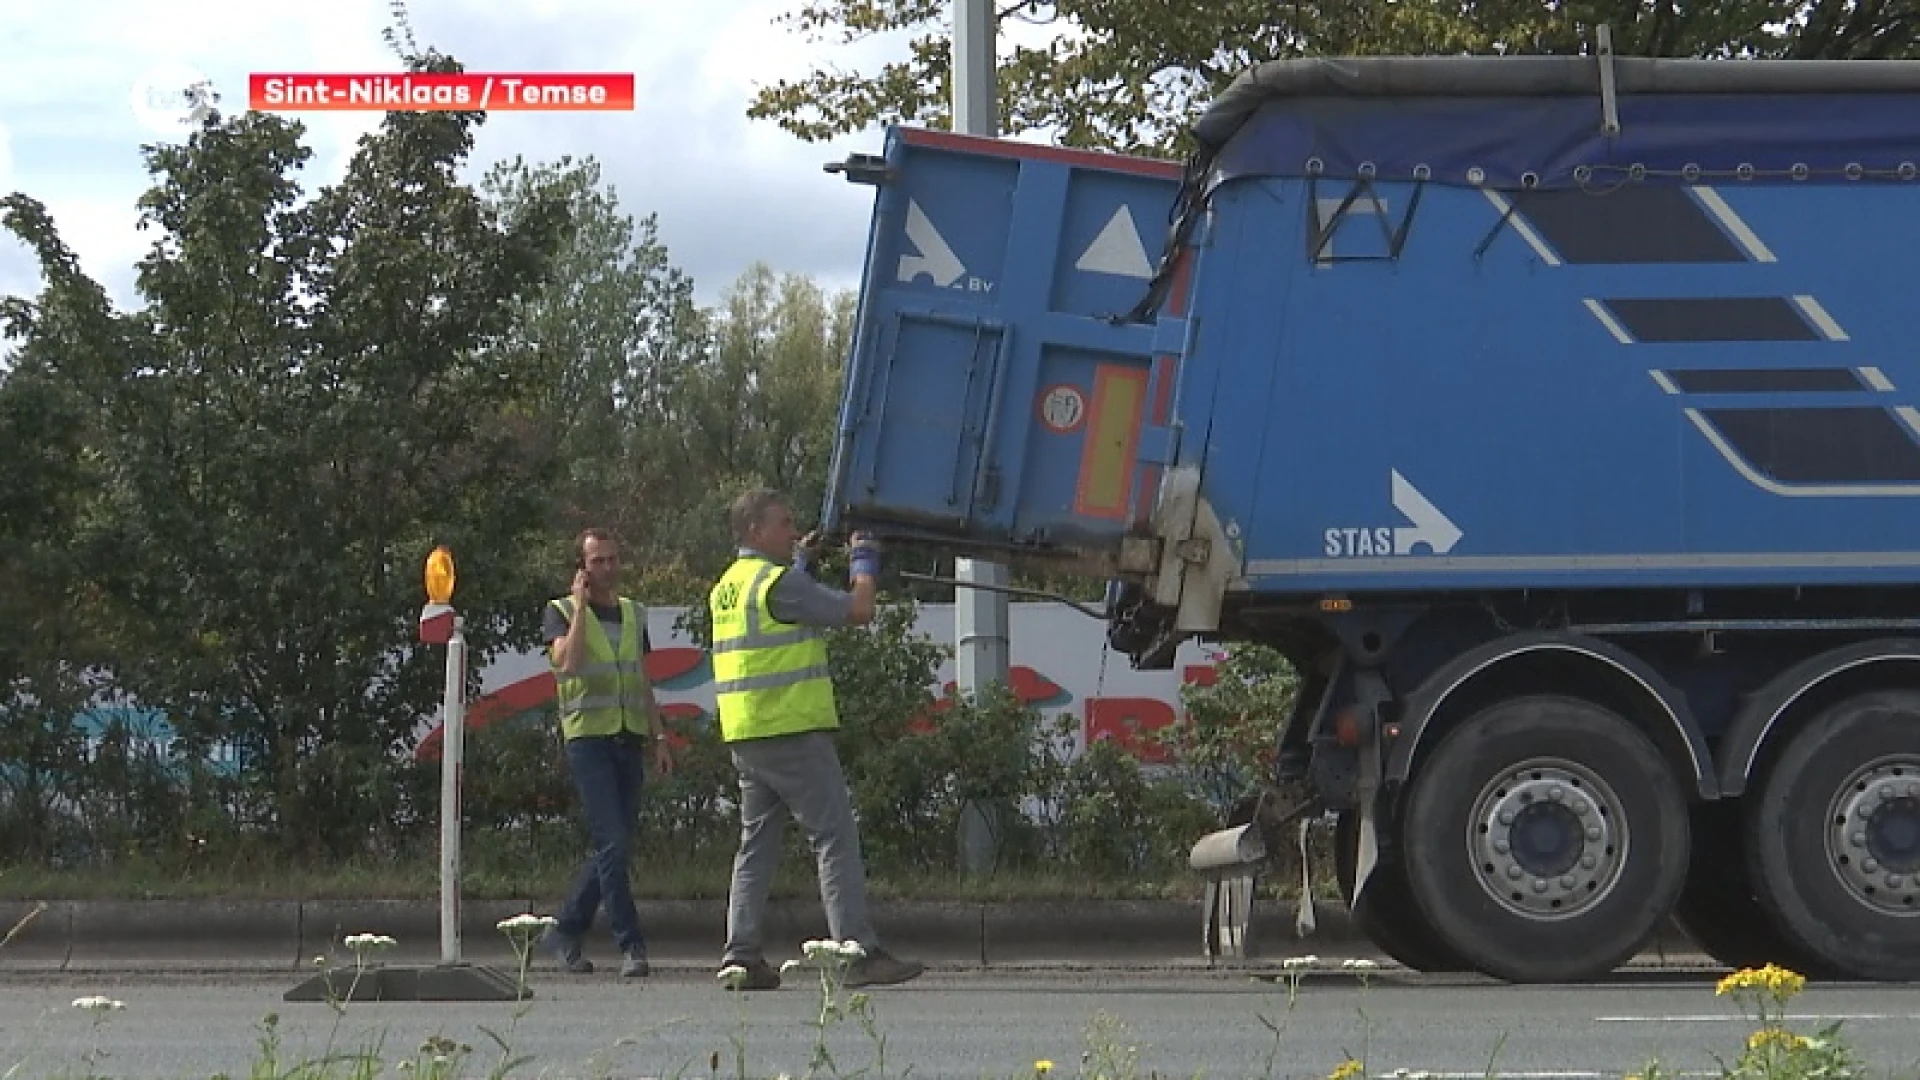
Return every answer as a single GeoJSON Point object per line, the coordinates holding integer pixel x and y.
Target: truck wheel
{"type": "Point", "coordinates": [1718, 910]}
{"type": "Point", "coordinates": [1836, 839]}
{"type": "Point", "coordinates": [1387, 915]}
{"type": "Point", "coordinates": [1546, 840]}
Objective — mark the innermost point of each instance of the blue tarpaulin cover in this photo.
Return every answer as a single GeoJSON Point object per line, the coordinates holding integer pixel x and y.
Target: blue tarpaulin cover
{"type": "Point", "coordinates": [1508, 122]}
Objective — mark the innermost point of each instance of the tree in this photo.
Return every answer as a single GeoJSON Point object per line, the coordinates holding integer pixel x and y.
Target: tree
{"type": "Point", "coordinates": [758, 408]}
{"type": "Point", "coordinates": [313, 394]}
{"type": "Point", "coordinates": [1129, 75]}
{"type": "Point", "coordinates": [609, 341]}
{"type": "Point", "coordinates": [45, 647]}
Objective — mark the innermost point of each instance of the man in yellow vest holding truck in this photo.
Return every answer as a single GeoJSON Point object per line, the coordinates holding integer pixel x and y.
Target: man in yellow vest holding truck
{"type": "Point", "coordinates": [597, 646]}
{"type": "Point", "coordinates": [777, 716]}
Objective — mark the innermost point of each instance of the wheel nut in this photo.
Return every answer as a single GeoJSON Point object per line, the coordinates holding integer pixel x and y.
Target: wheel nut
{"type": "Point", "coordinates": [1506, 817]}
{"type": "Point", "coordinates": [1513, 873]}
{"type": "Point", "coordinates": [1858, 839]}
{"type": "Point", "coordinates": [1593, 833]}
{"type": "Point", "coordinates": [1501, 847]}
{"type": "Point", "coordinates": [1539, 886]}
{"type": "Point", "coordinates": [1588, 862]}
{"type": "Point", "coordinates": [1569, 881]}
{"type": "Point", "coordinates": [1556, 793]}
{"type": "Point", "coordinates": [1870, 866]}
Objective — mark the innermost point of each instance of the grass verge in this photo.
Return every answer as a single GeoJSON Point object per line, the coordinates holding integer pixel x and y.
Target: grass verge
{"type": "Point", "coordinates": [517, 873]}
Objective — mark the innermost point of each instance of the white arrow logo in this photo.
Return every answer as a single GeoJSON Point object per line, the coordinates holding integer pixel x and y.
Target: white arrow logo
{"type": "Point", "coordinates": [932, 255]}
{"type": "Point", "coordinates": [1430, 526]}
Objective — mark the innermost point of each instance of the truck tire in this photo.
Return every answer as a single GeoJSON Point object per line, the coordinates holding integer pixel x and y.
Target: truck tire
{"type": "Point", "coordinates": [1546, 839]}
{"type": "Point", "coordinates": [1718, 909]}
{"type": "Point", "coordinates": [1387, 914]}
{"type": "Point", "coordinates": [1835, 841]}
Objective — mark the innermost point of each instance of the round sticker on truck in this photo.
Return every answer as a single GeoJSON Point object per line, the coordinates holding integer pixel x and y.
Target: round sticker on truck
{"type": "Point", "coordinates": [1062, 408]}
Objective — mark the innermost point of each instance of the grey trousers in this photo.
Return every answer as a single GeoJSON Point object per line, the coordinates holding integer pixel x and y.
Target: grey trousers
{"type": "Point", "coordinates": [797, 777]}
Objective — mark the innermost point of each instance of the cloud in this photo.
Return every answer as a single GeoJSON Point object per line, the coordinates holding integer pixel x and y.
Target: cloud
{"type": "Point", "coordinates": [728, 191]}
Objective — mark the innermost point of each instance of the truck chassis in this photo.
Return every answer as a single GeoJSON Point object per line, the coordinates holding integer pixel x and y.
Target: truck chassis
{"type": "Point", "coordinates": [1530, 786]}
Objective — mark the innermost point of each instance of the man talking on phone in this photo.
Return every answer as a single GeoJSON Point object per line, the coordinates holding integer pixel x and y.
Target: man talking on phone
{"type": "Point", "coordinates": [597, 646]}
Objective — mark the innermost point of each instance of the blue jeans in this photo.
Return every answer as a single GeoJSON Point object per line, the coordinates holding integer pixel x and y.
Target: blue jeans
{"type": "Point", "coordinates": [608, 771]}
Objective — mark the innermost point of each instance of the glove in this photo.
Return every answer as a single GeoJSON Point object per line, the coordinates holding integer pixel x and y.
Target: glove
{"type": "Point", "coordinates": [807, 552]}
{"type": "Point", "coordinates": [864, 558]}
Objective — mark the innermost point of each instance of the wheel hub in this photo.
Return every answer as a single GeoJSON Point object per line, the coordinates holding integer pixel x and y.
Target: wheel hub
{"type": "Point", "coordinates": [1549, 838]}
{"type": "Point", "coordinates": [1873, 841]}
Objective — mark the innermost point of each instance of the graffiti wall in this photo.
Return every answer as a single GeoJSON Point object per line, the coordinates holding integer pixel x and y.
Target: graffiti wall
{"type": "Point", "coordinates": [1059, 661]}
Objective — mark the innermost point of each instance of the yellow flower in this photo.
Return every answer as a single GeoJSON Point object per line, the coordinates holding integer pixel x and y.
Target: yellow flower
{"type": "Point", "coordinates": [1773, 980]}
{"type": "Point", "coordinates": [1042, 1067]}
{"type": "Point", "coordinates": [1773, 1036]}
{"type": "Point", "coordinates": [1347, 1071]}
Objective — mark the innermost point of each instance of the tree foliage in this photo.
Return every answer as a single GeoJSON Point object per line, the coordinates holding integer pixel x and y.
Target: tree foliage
{"type": "Point", "coordinates": [312, 394]}
{"type": "Point", "coordinates": [1129, 75]}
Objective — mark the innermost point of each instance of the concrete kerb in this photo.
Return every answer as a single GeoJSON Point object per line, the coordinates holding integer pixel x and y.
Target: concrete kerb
{"type": "Point", "coordinates": [288, 935]}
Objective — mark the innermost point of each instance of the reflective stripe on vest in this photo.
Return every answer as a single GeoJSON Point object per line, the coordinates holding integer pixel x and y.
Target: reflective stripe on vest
{"type": "Point", "coordinates": [770, 678]}
{"type": "Point", "coordinates": [609, 692]}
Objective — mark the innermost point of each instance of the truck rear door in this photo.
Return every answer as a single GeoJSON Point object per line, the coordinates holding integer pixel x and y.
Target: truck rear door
{"type": "Point", "coordinates": [994, 401]}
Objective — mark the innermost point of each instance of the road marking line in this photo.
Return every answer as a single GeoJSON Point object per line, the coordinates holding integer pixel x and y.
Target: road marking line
{"type": "Point", "coordinates": [1506, 1075]}
{"type": "Point", "coordinates": [1719, 1019]}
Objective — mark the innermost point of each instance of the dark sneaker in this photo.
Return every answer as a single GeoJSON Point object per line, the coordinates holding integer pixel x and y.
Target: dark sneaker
{"type": "Point", "coordinates": [566, 949]}
{"type": "Point", "coordinates": [881, 968]}
{"type": "Point", "coordinates": [760, 975]}
{"type": "Point", "coordinates": [634, 965]}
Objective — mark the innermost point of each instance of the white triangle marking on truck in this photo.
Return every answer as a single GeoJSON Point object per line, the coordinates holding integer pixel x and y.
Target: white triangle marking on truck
{"type": "Point", "coordinates": [1430, 526]}
{"type": "Point", "coordinates": [932, 256]}
{"type": "Point", "coordinates": [1118, 249]}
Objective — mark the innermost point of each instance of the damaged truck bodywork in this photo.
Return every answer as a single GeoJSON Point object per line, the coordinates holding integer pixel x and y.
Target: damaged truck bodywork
{"type": "Point", "coordinates": [1554, 416]}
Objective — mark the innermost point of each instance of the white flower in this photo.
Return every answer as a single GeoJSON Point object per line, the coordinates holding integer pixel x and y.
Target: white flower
{"type": "Point", "coordinates": [1359, 964]}
{"type": "Point", "coordinates": [829, 949]}
{"type": "Point", "coordinates": [526, 923]}
{"type": "Point", "coordinates": [98, 1004]}
{"type": "Point", "coordinates": [789, 966]}
{"type": "Point", "coordinates": [1300, 961]}
{"type": "Point", "coordinates": [359, 942]}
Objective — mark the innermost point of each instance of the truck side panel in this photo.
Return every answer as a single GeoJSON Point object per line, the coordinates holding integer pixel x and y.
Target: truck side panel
{"type": "Point", "coordinates": [1682, 384]}
{"type": "Point", "coordinates": [993, 402]}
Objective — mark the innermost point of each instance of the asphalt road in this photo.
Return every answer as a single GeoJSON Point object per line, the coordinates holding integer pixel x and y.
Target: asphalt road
{"type": "Point", "coordinates": [945, 1025]}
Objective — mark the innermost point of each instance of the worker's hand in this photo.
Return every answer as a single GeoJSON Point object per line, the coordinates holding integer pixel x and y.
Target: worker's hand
{"type": "Point", "coordinates": [806, 553]}
{"type": "Point", "coordinates": [580, 590]}
{"type": "Point", "coordinates": [662, 757]}
{"type": "Point", "coordinates": [864, 557]}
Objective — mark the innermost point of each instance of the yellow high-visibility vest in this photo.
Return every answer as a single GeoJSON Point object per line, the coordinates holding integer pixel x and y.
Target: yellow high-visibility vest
{"type": "Point", "coordinates": [608, 694]}
{"type": "Point", "coordinates": [771, 678]}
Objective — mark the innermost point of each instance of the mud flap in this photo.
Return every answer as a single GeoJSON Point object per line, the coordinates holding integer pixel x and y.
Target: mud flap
{"type": "Point", "coordinates": [1229, 917]}
{"type": "Point", "coordinates": [1303, 920]}
{"type": "Point", "coordinates": [1230, 859]}
{"type": "Point", "coordinates": [1367, 842]}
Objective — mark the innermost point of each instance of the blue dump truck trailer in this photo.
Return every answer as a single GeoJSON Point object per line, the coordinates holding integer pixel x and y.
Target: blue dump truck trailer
{"type": "Point", "coordinates": [1559, 419]}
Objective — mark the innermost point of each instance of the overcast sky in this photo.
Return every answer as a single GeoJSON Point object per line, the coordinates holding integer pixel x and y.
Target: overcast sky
{"type": "Point", "coordinates": [728, 190]}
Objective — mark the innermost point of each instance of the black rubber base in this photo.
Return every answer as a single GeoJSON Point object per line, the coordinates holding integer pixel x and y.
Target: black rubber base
{"type": "Point", "coordinates": [427, 982]}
